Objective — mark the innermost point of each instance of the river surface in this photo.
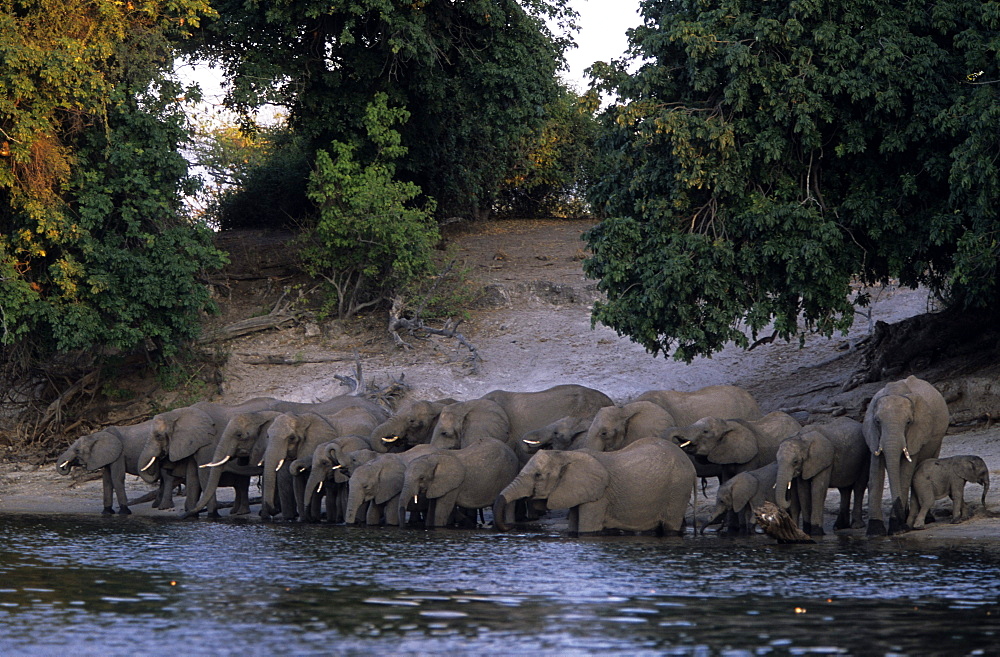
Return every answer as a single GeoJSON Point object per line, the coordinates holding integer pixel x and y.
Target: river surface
{"type": "Point", "coordinates": [115, 586]}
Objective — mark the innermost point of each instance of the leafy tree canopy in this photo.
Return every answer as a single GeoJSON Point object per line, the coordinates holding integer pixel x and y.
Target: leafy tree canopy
{"type": "Point", "coordinates": [474, 76]}
{"type": "Point", "coordinates": [764, 155]}
{"type": "Point", "coordinates": [93, 252]}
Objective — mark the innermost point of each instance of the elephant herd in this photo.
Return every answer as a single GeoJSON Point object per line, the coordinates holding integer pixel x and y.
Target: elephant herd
{"type": "Point", "coordinates": [630, 467]}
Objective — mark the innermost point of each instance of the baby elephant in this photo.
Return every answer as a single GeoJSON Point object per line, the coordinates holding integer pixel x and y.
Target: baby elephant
{"type": "Point", "coordinates": [935, 479]}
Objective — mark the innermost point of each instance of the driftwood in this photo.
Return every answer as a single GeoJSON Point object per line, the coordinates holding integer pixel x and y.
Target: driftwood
{"type": "Point", "coordinates": [280, 316]}
{"type": "Point", "coordinates": [776, 523]}
{"type": "Point", "coordinates": [256, 359]}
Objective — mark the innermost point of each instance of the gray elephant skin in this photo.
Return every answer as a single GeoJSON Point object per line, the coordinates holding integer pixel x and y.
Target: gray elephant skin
{"type": "Point", "coordinates": [820, 457]}
{"type": "Point", "coordinates": [644, 487]}
{"type": "Point", "coordinates": [469, 478]}
{"type": "Point", "coordinates": [116, 452]}
{"type": "Point", "coordinates": [412, 425]}
{"type": "Point", "coordinates": [185, 438]}
{"type": "Point", "coordinates": [737, 445]}
{"type": "Point", "coordinates": [614, 427]}
{"type": "Point", "coordinates": [904, 425]}
{"type": "Point", "coordinates": [935, 479]}
{"type": "Point", "coordinates": [747, 491]}
{"type": "Point", "coordinates": [327, 475]}
{"type": "Point", "coordinates": [686, 408]}
{"type": "Point", "coordinates": [295, 435]}
{"type": "Point", "coordinates": [560, 434]}
{"type": "Point", "coordinates": [529, 411]}
{"type": "Point", "coordinates": [466, 422]}
{"type": "Point", "coordinates": [377, 483]}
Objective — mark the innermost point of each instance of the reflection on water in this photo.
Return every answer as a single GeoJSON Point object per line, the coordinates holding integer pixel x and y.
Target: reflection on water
{"type": "Point", "coordinates": [121, 585]}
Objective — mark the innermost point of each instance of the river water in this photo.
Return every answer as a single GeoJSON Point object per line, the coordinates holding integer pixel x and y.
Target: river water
{"type": "Point", "coordinates": [116, 586]}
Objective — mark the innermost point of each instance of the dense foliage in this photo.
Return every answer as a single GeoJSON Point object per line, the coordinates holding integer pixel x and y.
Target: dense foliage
{"type": "Point", "coordinates": [373, 236]}
{"type": "Point", "coordinates": [474, 76]}
{"type": "Point", "coordinates": [93, 252]}
{"type": "Point", "coordinates": [766, 154]}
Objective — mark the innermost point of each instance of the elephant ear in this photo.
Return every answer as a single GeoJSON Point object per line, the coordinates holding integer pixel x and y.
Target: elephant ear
{"type": "Point", "coordinates": [743, 488]}
{"type": "Point", "coordinates": [104, 449]}
{"type": "Point", "coordinates": [818, 457]}
{"type": "Point", "coordinates": [869, 427]}
{"type": "Point", "coordinates": [192, 429]}
{"type": "Point", "coordinates": [390, 482]}
{"type": "Point", "coordinates": [449, 473]}
{"type": "Point", "coordinates": [582, 479]}
{"type": "Point", "coordinates": [737, 444]}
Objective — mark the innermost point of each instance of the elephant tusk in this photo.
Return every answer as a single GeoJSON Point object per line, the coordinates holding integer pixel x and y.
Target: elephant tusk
{"type": "Point", "coordinates": [906, 453]}
{"type": "Point", "coordinates": [390, 439]}
{"type": "Point", "coordinates": [789, 486]}
{"type": "Point", "coordinates": [319, 489]}
{"type": "Point", "coordinates": [149, 465]}
{"type": "Point", "coordinates": [414, 499]}
{"type": "Point", "coordinates": [337, 467]}
{"type": "Point", "coordinates": [64, 464]}
{"type": "Point", "coordinates": [280, 463]}
{"type": "Point", "coordinates": [532, 442]}
{"type": "Point", "coordinates": [685, 443]}
{"type": "Point", "coordinates": [214, 465]}
{"type": "Point", "coordinates": [261, 464]}
{"type": "Point", "coordinates": [878, 452]}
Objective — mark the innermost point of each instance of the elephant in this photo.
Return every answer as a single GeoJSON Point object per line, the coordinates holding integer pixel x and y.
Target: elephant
{"type": "Point", "coordinates": [293, 435]}
{"type": "Point", "coordinates": [190, 433]}
{"type": "Point", "coordinates": [644, 486]}
{"type": "Point", "coordinates": [820, 457]}
{"type": "Point", "coordinates": [747, 491]}
{"type": "Point", "coordinates": [326, 472]}
{"type": "Point", "coordinates": [904, 425]}
{"type": "Point", "coordinates": [412, 425]}
{"type": "Point", "coordinates": [466, 422]}
{"type": "Point", "coordinates": [615, 427]}
{"type": "Point", "coordinates": [935, 479]}
{"type": "Point", "coordinates": [115, 451]}
{"type": "Point", "coordinates": [687, 408]}
{"type": "Point", "coordinates": [529, 411]}
{"type": "Point", "coordinates": [377, 483]}
{"type": "Point", "coordinates": [468, 478]}
{"type": "Point", "coordinates": [556, 435]}
{"type": "Point", "coordinates": [737, 445]}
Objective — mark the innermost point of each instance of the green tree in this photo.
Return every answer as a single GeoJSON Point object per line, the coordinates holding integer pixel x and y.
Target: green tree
{"type": "Point", "coordinates": [474, 75]}
{"type": "Point", "coordinates": [556, 162]}
{"type": "Point", "coordinates": [372, 237]}
{"type": "Point", "coordinates": [94, 250]}
{"type": "Point", "coordinates": [765, 155]}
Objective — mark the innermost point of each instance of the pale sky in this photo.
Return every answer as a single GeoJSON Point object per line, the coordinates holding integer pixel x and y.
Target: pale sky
{"type": "Point", "coordinates": [601, 36]}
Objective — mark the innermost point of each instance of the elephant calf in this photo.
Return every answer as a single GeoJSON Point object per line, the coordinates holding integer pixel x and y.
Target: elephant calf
{"type": "Point", "coordinates": [746, 492]}
{"type": "Point", "coordinates": [936, 479]}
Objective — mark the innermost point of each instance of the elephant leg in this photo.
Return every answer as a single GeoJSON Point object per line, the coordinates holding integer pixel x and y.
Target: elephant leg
{"type": "Point", "coordinates": [165, 501]}
{"type": "Point", "coordinates": [373, 515]}
{"type": "Point", "coordinates": [241, 506]}
{"type": "Point", "coordinates": [193, 485]}
{"type": "Point", "coordinates": [876, 485]}
{"type": "Point", "coordinates": [299, 488]}
{"type": "Point", "coordinates": [391, 510]}
{"type": "Point", "coordinates": [957, 500]}
{"type": "Point", "coordinates": [844, 516]}
{"type": "Point", "coordinates": [859, 496]}
{"type": "Point", "coordinates": [108, 509]}
{"type": "Point", "coordinates": [439, 513]}
{"type": "Point", "coordinates": [901, 507]}
{"type": "Point", "coordinates": [286, 494]}
{"type": "Point", "coordinates": [591, 516]}
{"type": "Point", "coordinates": [919, 506]}
{"type": "Point", "coordinates": [118, 483]}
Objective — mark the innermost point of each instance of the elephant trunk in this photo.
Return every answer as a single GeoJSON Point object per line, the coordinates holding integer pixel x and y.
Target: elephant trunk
{"type": "Point", "coordinates": [147, 462]}
{"type": "Point", "coordinates": [718, 515]}
{"type": "Point", "coordinates": [355, 498]}
{"type": "Point", "coordinates": [387, 435]}
{"type": "Point", "coordinates": [503, 510]}
{"type": "Point", "coordinates": [316, 477]}
{"type": "Point", "coordinates": [985, 481]}
{"type": "Point", "coordinates": [65, 462]}
{"type": "Point", "coordinates": [898, 490]}
{"type": "Point", "coordinates": [274, 460]}
{"type": "Point", "coordinates": [782, 488]}
{"type": "Point", "coordinates": [410, 494]}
